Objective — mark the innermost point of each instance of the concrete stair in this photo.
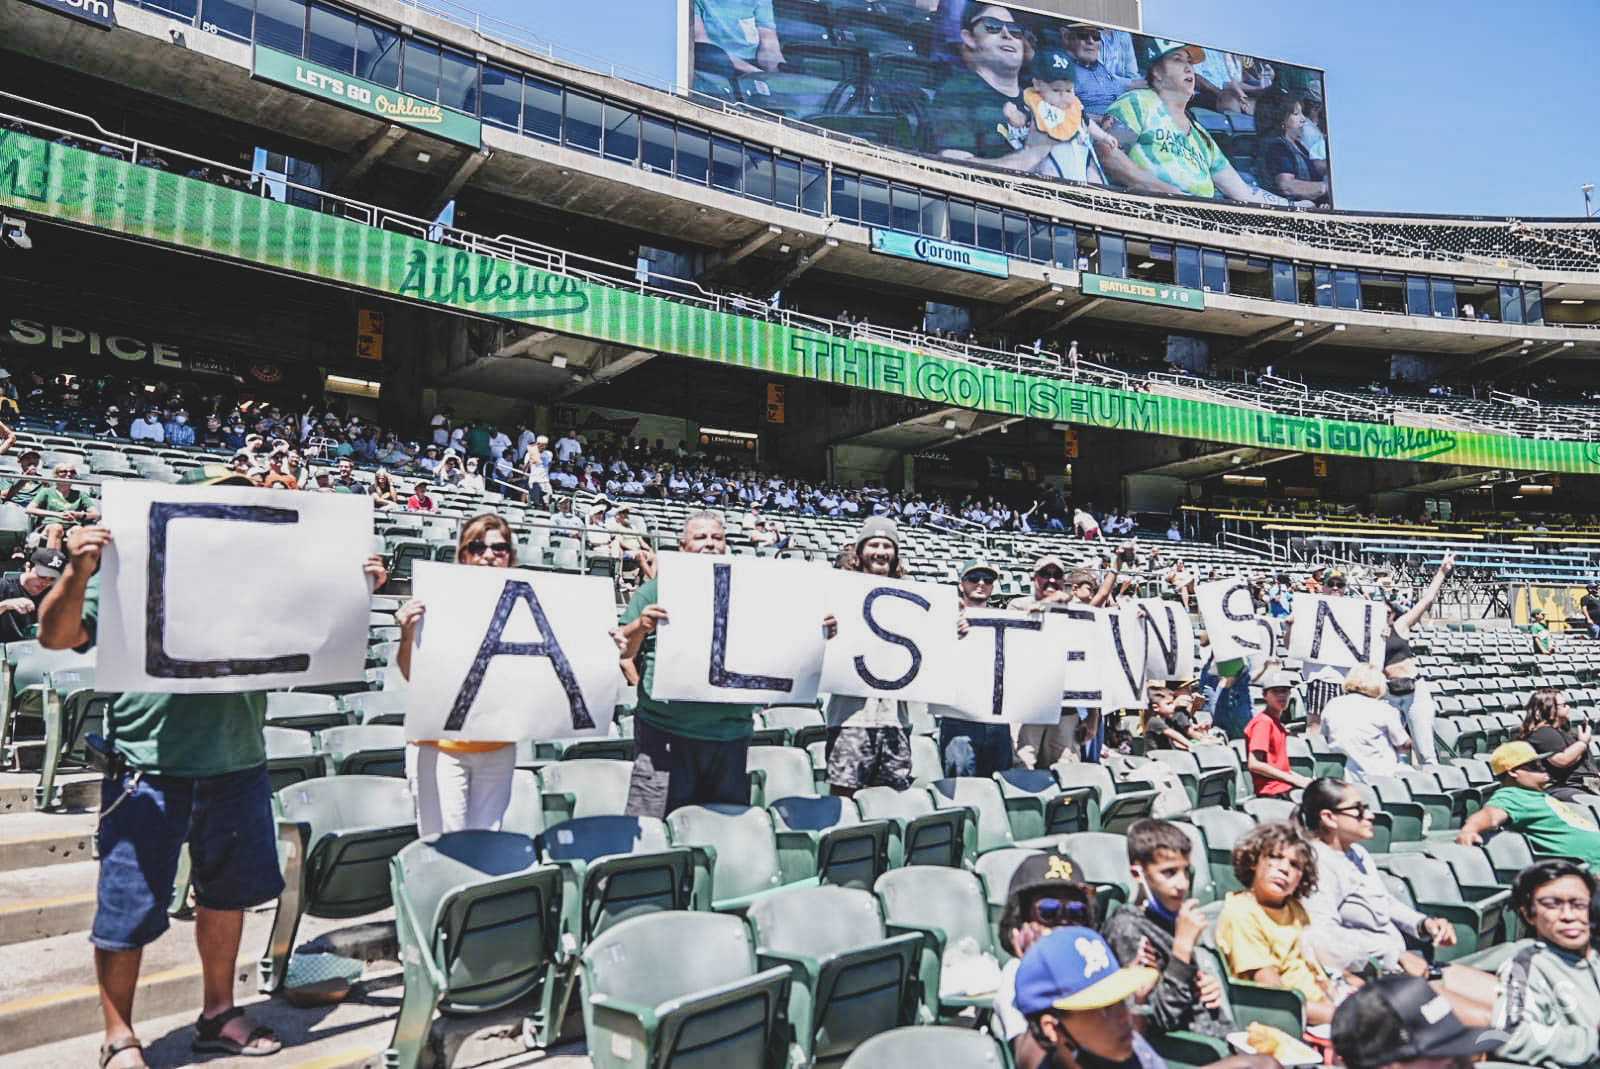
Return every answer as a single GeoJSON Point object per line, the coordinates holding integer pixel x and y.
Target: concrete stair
{"type": "Point", "coordinates": [49, 1004]}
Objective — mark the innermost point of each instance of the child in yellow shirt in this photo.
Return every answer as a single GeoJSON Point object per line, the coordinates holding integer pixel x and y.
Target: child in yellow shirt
{"type": "Point", "coordinates": [1261, 930]}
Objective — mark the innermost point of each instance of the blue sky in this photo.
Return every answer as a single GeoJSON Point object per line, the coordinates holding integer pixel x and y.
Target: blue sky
{"type": "Point", "coordinates": [1449, 106]}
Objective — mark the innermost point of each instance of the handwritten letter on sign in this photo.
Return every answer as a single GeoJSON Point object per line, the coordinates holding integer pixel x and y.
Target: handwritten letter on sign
{"type": "Point", "coordinates": [896, 638]}
{"type": "Point", "coordinates": [1005, 669]}
{"type": "Point", "coordinates": [505, 654]}
{"type": "Point", "coordinates": [1229, 614]}
{"type": "Point", "coordinates": [739, 630]}
{"type": "Point", "coordinates": [1343, 632]}
{"type": "Point", "coordinates": [209, 590]}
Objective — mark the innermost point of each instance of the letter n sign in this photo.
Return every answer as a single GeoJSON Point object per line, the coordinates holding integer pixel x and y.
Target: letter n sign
{"type": "Point", "coordinates": [157, 662]}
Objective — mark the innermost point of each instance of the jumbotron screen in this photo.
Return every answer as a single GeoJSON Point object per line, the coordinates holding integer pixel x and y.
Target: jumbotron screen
{"type": "Point", "coordinates": [1008, 87]}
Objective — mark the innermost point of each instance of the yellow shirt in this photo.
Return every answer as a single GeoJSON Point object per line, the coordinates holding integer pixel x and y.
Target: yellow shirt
{"type": "Point", "coordinates": [1252, 936]}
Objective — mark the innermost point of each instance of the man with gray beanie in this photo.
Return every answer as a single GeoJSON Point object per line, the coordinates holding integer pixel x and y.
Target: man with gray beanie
{"type": "Point", "coordinates": [869, 739]}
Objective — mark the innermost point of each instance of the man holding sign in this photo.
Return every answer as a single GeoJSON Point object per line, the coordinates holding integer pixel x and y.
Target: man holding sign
{"type": "Point", "coordinates": [689, 752]}
{"type": "Point", "coordinates": [1053, 586]}
{"type": "Point", "coordinates": [186, 768]}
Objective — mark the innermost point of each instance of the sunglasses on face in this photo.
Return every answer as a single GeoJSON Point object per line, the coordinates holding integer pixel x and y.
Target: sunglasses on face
{"type": "Point", "coordinates": [992, 26]}
{"type": "Point", "coordinates": [1086, 35]}
{"type": "Point", "coordinates": [478, 547]}
{"type": "Point", "coordinates": [1049, 573]}
{"type": "Point", "coordinates": [1361, 810]}
{"type": "Point", "coordinates": [1054, 912]}
{"type": "Point", "coordinates": [980, 577]}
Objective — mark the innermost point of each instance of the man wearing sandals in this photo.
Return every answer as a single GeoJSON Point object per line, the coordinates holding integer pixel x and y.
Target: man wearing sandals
{"type": "Point", "coordinates": [195, 773]}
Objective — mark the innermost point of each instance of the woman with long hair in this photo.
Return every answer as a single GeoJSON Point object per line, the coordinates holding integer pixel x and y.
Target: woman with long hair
{"type": "Point", "coordinates": [1547, 727]}
{"type": "Point", "coordinates": [384, 495]}
{"type": "Point", "coordinates": [1355, 918]}
{"type": "Point", "coordinates": [460, 784]}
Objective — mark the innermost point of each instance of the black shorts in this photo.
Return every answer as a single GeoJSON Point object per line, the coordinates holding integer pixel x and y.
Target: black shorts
{"type": "Point", "coordinates": [869, 757]}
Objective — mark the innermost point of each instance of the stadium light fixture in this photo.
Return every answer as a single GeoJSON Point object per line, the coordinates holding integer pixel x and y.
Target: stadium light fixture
{"type": "Point", "coordinates": [1338, 326]}
{"type": "Point", "coordinates": [1570, 300]}
{"type": "Point", "coordinates": [1568, 344]}
{"type": "Point", "coordinates": [558, 360]}
{"type": "Point", "coordinates": [1588, 197]}
{"type": "Point", "coordinates": [949, 424]}
{"type": "Point", "coordinates": [424, 157]}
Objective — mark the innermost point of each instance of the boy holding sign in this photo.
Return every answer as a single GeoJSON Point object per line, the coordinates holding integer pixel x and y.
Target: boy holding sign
{"type": "Point", "coordinates": [689, 753]}
{"type": "Point", "coordinates": [187, 768]}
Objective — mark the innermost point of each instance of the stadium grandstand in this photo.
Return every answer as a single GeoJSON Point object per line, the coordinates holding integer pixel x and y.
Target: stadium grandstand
{"type": "Point", "coordinates": [406, 251]}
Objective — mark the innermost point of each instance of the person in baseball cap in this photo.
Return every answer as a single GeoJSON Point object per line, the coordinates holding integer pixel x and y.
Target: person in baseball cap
{"type": "Point", "coordinates": [1397, 1021]}
{"type": "Point", "coordinates": [1075, 994]}
{"type": "Point", "coordinates": [1521, 803]}
{"type": "Point", "coordinates": [972, 747]}
{"type": "Point", "coordinates": [20, 597]}
{"type": "Point", "coordinates": [1266, 740]}
{"type": "Point", "coordinates": [1046, 892]}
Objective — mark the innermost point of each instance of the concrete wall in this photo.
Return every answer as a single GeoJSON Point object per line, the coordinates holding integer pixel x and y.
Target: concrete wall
{"type": "Point", "coordinates": [857, 465]}
{"type": "Point", "coordinates": [1125, 13]}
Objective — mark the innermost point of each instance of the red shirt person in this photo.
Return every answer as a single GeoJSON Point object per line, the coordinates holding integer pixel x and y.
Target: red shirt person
{"type": "Point", "coordinates": [1266, 742]}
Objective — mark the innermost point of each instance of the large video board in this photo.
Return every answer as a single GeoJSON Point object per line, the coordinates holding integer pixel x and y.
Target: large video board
{"type": "Point", "coordinates": [1005, 86]}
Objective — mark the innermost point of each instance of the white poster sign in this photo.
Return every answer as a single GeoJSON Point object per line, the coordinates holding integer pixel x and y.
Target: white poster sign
{"type": "Point", "coordinates": [1168, 638]}
{"type": "Point", "coordinates": [739, 630]}
{"type": "Point", "coordinates": [1121, 658]}
{"type": "Point", "coordinates": [208, 590]}
{"type": "Point", "coordinates": [1004, 669]}
{"type": "Point", "coordinates": [1342, 632]}
{"type": "Point", "coordinates": [1229, 614]}
{"type": "Point", "coordinates": [895, 639]}
{"type": "Point", "coordinates": [505, 654]}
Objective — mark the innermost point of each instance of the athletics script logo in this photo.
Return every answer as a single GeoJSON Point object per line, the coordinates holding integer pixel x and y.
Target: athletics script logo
{"type": "Point", "coordinates": [464, 279]}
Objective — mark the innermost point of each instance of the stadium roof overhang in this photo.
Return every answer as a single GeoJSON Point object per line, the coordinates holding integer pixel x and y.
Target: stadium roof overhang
{"type": "Point", "coordinates": [754, 247]}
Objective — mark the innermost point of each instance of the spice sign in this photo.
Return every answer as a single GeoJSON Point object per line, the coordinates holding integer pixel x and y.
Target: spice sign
{"type": "Point", "coordinates": [1132, 289]}
{"type": "Point", "coordinates": [369, 98]}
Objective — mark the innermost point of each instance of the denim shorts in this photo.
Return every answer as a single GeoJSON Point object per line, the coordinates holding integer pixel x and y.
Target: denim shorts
{"type": "Point", "coordinates": [233, 850]}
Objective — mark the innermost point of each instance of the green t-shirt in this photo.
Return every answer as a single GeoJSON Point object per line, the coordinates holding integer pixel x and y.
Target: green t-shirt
{"type": "Point", "coordinates": [182, 734]}
{"type": "Point", "coordinates": [478, 442]}
{"type": "Point", "coordinates": [50, 498]}
{"type": "Point", "coordinates": [1543, 640]}
{"type": "Point", "coordinates": [1551, 825]}
{"type": "Point", "coordinates": [1189, 161]}
{"type": "Point", "coordinates": [693, 720]}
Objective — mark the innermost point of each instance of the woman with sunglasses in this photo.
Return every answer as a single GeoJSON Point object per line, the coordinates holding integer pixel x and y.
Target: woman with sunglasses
{"type": "Point", "coordinates": [1547, 727]}
{"type": "Point", "coordinates": [1356, 919]}
{"type": "Point", "coordinates": [460, 784]}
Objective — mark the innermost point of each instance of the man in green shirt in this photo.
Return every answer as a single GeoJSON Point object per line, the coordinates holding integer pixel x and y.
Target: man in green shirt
{"type": "Point", "coordinates": [1544, 642]}
{"type": "Point", "coordinates": [195, 775]}
{"type": "Point", "coordinates": [1551, 826]}
{"type": "Point", "coordinates": [59, 507]}
{"type": "Point", "coordinates": [689, 753]}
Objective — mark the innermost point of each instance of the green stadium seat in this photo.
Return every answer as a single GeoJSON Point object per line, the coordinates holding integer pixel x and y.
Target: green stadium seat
{"type": "Point", "coordinates": [617, 867]}
{"type": "Point", "coordinates": [1282, 1008]}
{"type": "Point", "coordinates": [945, 906]}
{"type": "Point", "coordinates": [73, 708]}
{"type": "Point", "coordinates": [1223, 828]}
{"type": "Point", "coordinates": [1509, 853]}
{"type": "Point", "coordinates": [1038, 805]}
{"type": "Point", "coordinates": [739, 852]}
{"type": "Point", "coordinates": [921, 834]}
{"type": "Point", "coordinates": [682, 990]}
{"type": "Point", "coordinates": [990, 828]}
{"type": "Point", "coordinates": [794, 725]}
{"type": "Point", "coordinates": [1210, 758]}
{"type": "Point", "coordinates": [779, 772]}
{"type": "Point", "coordinates": [852, 979]}
{"type": "Point", "coordinates": [1118, 804]}
{"type": "Point", "coordinates": [376, 706]}
{"type": "Point", "coordinates": [929, 1045]}
{"type": "Point", "coordinates": [304, 710]}
{"type": "Point", "coordinates": [584, 787]}
{"type": "Point", "coordinates": [478, 919]}
{"type": "Point", "coordinates": [996, 869]}
{"type": "Point", "coordinates": [838, 846]}
{"type": "Point", "coordinates": [364, 749]}
{"type": "Point", "coordinates": [926, 764]}
{"type": "Point", "coordinates": [336, 836]}
{"type": "Point", "coordinates": [1205, 788]}
{"type": "Point", "coordinates": [1475, 913]}
{"type": "Point", "coordinates": [292, 757]}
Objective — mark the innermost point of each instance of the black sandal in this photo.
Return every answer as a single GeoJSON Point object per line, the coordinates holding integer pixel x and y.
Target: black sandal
{"type": "Point", "coordinates": [111, 1050]}
{"type": "Point", "coordinates": [208, 1037]}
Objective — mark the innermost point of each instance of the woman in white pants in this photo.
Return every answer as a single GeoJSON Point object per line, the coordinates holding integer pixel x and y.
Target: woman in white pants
{"type": "Point", "coordinates": [459, 784]}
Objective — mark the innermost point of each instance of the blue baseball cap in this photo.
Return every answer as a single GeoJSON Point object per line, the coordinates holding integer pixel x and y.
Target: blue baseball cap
{"type": "Point", "coordinates": [1075, 969]}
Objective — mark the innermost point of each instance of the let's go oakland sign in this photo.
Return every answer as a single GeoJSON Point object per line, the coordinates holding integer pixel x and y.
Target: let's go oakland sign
{"type": "Point", "coordinates": [369, 98]}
